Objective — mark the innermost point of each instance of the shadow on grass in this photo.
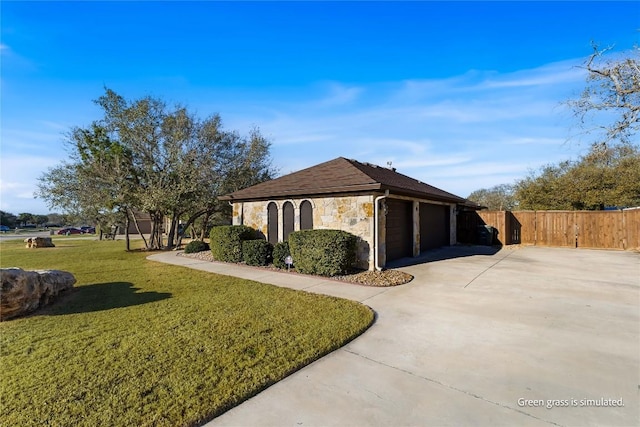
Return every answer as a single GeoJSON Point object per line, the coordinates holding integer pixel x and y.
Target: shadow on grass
{"type": "Point", "coordinates": [101, 296]}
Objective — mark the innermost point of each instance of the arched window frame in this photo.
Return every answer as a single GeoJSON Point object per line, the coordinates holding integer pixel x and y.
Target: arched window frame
{"type": "Point", "coordinates": [288, 219]}
{"type": "Point", "coordinates": [272, 222]}
{"type": "Point", "coordinates": [306, 215]}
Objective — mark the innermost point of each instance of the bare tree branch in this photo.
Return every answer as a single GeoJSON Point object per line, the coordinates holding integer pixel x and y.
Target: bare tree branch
{"type": "Point", "coordinates": [613, 91]}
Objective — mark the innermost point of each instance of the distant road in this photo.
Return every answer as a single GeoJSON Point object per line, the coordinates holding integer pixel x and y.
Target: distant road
{"type": "Point", "coordinates": [24, 234]}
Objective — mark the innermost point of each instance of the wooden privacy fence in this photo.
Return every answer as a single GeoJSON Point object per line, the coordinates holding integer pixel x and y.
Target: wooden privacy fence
{"type": "Point", "coordinates": [618, 229]}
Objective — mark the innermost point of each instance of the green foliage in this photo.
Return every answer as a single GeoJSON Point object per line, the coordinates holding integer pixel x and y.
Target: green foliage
{"type": "Point", "coordinates": [196, 246]}
{"type": "Point", "coordinates": [323, 252]}
{"type": "Point", "coordinates": [609, 114]}
{"type": "Point", "coordinates": [606, 176]}
{"type": "Point", "coordinates": [150, 344]}
{"type": "Point", "coordinates": [257, 252]}
{"type": "Point", "coordinates": [280, 252]}
{"type": "Point", "coordinates": [143, 155]}
{"type": "Point", "coordinates": [226, 241]}
{"type": "Point", "coordinates": [498, 198]}
{"type": "Point", "coordinates": [25, 218]}
{"type": "Point", "coordinates": [8, 219]}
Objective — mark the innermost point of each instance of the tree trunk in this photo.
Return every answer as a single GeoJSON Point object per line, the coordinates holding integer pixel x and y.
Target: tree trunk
{"type": "Point", "coordinates": [156, 231]}
{"type": "Point", "coordinates": [190, 222]}
{"type": "Point", "coordinates": [127, 221]}
{"type": "Point", "coordinates": [205, 221]}
{"type": "Point", "coordinates": [135, 221]}
{"type": "Point", "coordinates": [172, 231]}
{"type": "Point", "coordinates": [152, 238]}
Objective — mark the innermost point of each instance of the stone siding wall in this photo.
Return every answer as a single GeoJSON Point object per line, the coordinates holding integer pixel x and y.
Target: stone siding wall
{"type": "Point", "coordinates": [353, 214]}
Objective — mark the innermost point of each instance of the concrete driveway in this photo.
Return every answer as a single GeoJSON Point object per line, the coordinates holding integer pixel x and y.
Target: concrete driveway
{"type": "Point", "coordinates": [480, 339]}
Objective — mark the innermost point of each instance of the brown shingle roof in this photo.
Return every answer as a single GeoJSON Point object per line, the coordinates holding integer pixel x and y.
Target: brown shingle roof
{"type": "Point", "coordinates": [341, 176]}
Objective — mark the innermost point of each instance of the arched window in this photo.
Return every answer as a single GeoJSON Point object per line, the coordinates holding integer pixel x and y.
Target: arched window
{"type": "Point", "coordinates": [306, 215]}
{"type": "Point", "coordinates": [287, 220]}
{"type": "Point", "coordinates": [272, 223]}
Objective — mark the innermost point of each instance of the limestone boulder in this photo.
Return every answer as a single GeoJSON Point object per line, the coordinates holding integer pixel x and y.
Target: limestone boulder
{"type": "Point", "coordinates": [39, 242]}
{"type": "Point", "coordinates": [24, 292]}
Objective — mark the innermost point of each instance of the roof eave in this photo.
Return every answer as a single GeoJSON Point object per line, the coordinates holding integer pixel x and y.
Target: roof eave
{"type": "Point", "coordinates": [302, 193]}
{"type": "Point", "coordinates": [421, 195]}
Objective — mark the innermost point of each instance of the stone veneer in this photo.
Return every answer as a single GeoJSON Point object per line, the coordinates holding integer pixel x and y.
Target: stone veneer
{"type": "Point", "coordinates": [353, 214]}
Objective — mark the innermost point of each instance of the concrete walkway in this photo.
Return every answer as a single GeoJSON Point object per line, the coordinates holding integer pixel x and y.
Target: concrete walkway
{"type": "Point", "coordinates": [476, 339]}
{"type": "Point", "coordinates": [291, 280]}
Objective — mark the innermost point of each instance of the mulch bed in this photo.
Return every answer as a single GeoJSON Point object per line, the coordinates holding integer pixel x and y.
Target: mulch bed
{"type": "Point", "coordinates": [366, 278]}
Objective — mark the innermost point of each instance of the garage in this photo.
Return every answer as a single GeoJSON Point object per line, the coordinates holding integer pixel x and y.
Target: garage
{"type": "Point", "coordinates": [434, 226]}
{"type": "Point", "coordinates": [379, 205]}
{"type": "Point", "coordinates": [399, 238]}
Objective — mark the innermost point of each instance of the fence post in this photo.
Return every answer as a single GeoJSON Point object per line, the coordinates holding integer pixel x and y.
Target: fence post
{"type": "Point", "coordinates": [576, 228]}
{"type": "Point", "coordinates": [535, 228]}
{"type": "Point", "coordinates": [624, 229]}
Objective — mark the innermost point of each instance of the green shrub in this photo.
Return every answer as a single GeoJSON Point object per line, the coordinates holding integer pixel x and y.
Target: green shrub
{"type": "Point", "coordinates": [256, 252]}
{"type": "Point", "coordinates": [226, 241]}
{"type": "Point", "coordinates": [196, 246]}
{"type": "Point", "coordinates": [323, 252]}
{"type": "Point", "coordinates": [280, 252]}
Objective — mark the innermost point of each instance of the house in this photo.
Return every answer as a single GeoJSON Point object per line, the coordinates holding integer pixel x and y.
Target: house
{"type": "Point", "coordinates": [394, 215]}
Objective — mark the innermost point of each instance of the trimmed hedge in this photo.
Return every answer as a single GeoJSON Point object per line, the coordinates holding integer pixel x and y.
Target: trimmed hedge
{"type": "Point", "coordinates": [323, 252]}
{"type": "Point", "coordinates": [196, 246]}
{"type": "Point", "coordinates": [256, 252]}
{"type": "Point", "coordinates": [280, 252]}
{"type": "Point", "coordinates": [226, 241]}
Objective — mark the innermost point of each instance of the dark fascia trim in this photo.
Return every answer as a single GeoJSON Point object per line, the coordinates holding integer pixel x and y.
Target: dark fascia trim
{"type": "Point", "coordinates": [355, 190]}
{"type": "Point", "coordinates": [426, 196]}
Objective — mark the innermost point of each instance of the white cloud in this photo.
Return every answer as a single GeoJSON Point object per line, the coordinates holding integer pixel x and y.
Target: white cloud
{"type": "Point", "coordinates": [536, 141]}
{"type": "Point", "coordinates": [338, 94]}
{"type": "Point", "coordinates": [433, 161]}
{"type": "Point", "coordinates": [551, 75]}
{"type": "Point", "coordinates": [61, 127]}
{"type": "Point", "coordinates": [478, 128]}
{"type": "Point", "coordinates": [21, 139]}
{"type": "Point", "coordinates": [459, 133]}
{"type": "Point", "coordinates": [18, 179]}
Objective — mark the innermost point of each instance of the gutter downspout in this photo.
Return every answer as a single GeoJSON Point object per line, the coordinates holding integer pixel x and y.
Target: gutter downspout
{"type": "Point", "coordinates": [241, 212]}
{"type": "Point", "coordinates": [376, 227]}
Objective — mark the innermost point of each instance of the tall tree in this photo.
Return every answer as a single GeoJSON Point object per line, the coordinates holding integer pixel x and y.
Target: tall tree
{"type": "Point", "coordinates": [8, 219]}
{"type": "Point", "coordinates": [145, 156]}
{"type": "Point", "coordinates": [40, 219]}
{"type": "Point", "coordinates": [606, 176]}
{"type": "Point", "coordinates": [25, 218]}
{"type": "Point", "coordinates": [609, 112]}
{"type": "Point", "coordinates": [609, 107]}
{"type": "Point", "coordinates": [499, 197]}
{"type": "Point", "coordinates": [92, 185]}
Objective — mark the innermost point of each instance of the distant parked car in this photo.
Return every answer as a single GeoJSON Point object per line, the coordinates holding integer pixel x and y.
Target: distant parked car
{"type": "Point", "coordinates": [4, 228]}
{"type": "Point", "coordinates": [88, 230]}
{"type": "Point", "coordinates": [70, 230]}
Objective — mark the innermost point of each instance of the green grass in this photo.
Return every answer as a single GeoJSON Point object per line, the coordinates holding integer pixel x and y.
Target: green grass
{"type": "Point", "coordinates": [148, 344]}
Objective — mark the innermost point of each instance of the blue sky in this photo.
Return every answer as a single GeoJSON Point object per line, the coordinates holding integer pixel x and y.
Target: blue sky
{"type": "Point", "coordinates": [461, 95]}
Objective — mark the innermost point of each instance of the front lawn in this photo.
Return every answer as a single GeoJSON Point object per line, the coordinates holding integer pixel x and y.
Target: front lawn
{"type": "Point", "coordinates": [147, 344]}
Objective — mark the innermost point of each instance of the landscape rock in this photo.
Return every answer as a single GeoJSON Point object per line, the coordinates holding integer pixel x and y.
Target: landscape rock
{"type": "Point", "coordinates": [39, 242]}
{"type": "Point", "coordinates": [366, 278]}
{"type": "Point", "coordinates": [24, 292]}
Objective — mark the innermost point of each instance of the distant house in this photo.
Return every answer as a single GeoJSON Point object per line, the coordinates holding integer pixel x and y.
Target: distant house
{"type": "Point", "coordinates": [394, 215]}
